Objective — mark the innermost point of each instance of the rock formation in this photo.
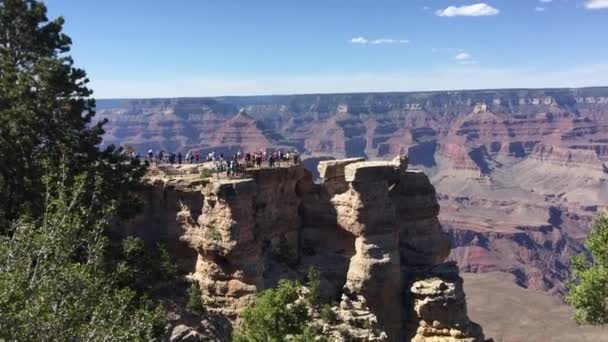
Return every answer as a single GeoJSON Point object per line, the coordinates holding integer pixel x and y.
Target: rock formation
{"type": "Point", "coordinates": [370, 228]}
{"type": "Point", "coordinates": [519, 173]}
{"type": "Point", "coordinates": [506, 163]}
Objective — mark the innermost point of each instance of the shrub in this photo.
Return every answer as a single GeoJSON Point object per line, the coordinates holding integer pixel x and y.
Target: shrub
{"type": "Point", "coordinates": [314, 286]}
{"type": "Point", "coordinates": [589, 281]}
{"type": "Point", "coordinates": [141, 267]}
{"type": "Point", "coordinates": [53, 285]}
{"type": "Point", "coordinates": [328, 315]}
{"type": "Point", "coordinates": [194, 299]}
{"type": "Point", "coordinates": [213, 233]}
{"type": "Point", "coordinates": [168, 267]}
{"type": "Point", "coordinates": [274, 315]}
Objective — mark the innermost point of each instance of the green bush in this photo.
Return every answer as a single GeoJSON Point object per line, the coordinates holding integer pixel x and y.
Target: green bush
{"type": "Point", "coordinates": [314, 286]}
{"type": "Point", "coordinates": [588, 286]}
{"type": "Point", "coordinates": [168, 267]}
{"type": "Point", "coordinates": [53, 284]}
{"type": "Point", "coordinates": [328, 315]}
{"type": "Point", "coordinates": [213, 233]}
{"type": "Point", "coordinates": [274, 315]}
{"type": "Point", "coordinates": [308, 335]}
{"type": "Point", "coordinates": [194, 299]}
{"type": "Point", "coordinates": [141, 267]}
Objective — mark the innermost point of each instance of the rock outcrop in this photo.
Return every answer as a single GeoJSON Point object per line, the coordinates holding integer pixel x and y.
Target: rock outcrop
{"type": "Point", "coordinates": [370, 228]}
{"type": "Point", "coordinates": [543, 150]}
{"type": "Point", "coordinates": [440, 306]}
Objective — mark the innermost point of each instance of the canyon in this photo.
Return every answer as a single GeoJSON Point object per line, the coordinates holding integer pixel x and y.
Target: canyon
{"type": "Point", "coordinates": [519, 174]}
{"type": "Point", "coordinates": [370, 228]}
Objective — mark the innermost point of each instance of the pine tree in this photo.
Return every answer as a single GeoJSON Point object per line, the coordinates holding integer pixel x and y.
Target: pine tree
{"type": "Point", "coordinates": [46, 116]}
{"type": "Point", "coordinates": [588, 288]}
{"type": "Point", "coordinates": [59, 194]}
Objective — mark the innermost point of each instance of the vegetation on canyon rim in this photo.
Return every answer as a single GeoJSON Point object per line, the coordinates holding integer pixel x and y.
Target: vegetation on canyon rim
{"type": "Point", "coordinates": [59, 193]}
{"type": "Point", "coordinates": [588, 289]}
{"type": "Point", "coordinates": [277, 313]}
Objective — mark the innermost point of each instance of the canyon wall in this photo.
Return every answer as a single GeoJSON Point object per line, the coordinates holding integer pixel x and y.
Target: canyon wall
{"type": "Point", "coordinates": [519, 173]}
{"type": "Point", "coordinates": [370, 228]}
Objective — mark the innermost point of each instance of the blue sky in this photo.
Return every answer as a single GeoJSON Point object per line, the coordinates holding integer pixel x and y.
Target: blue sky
{"type": "Point", "coordinates": [153, 48]}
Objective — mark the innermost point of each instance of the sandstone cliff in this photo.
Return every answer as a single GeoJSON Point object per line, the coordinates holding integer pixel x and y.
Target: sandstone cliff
{"type": "Point", "coordinates": [506, 163]}
{"type": "Point", "coordinates": [370, 228]}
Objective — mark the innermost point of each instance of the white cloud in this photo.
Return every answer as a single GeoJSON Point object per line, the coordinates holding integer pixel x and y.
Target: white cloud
{"type": "Point", "coordinates": [363, 40]}
{"type": "Point", "coordinates": [390, 41]}
{"type": "Point", "coordinates": [463, 56]}
{"type": "Point", "coordinates": [475, 10]}
{"type": "Point", "coordinates": [546, 1]}
{"type": "Point", "coordinates": [596, 4]}
{"type": "Point", "coordinates": [539, 9]}
{"type": "Point", "coordinates": [359, 40]}
{"type": "Point", "coordinates": [442, 78]}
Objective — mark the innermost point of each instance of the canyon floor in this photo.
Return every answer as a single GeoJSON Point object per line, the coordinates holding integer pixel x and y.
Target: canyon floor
{"type": "Point", "coordinates": [509, 313]}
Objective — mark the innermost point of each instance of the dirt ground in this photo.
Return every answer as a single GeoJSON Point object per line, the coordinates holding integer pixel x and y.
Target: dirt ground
{"type": "Point", "coordinates": [509, 313]}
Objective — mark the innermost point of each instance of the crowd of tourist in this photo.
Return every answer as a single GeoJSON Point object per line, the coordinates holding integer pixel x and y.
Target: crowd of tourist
{"type": "Point", "coordinates": [234, 165]}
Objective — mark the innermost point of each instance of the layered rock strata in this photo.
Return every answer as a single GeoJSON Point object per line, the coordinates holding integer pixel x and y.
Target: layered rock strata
{"type": "Point", "coordinates": [500, 159]}
{"type": "Point", "coordinates": [370, 228]}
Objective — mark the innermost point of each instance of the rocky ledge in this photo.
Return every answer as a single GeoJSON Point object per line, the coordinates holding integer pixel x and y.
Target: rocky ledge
{"type": "Point", "coordinates": [370, 228]}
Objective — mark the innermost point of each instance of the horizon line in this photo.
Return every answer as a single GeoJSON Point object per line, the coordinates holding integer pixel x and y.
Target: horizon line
{"type": "Point", "coordinates": [355, 93]}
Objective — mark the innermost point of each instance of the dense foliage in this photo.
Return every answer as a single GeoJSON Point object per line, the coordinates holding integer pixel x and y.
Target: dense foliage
{"type": "Point", "coordinates": [275, 315]}
{"type": "Point", "coordinates": [282, 314]}
{"type": "Point", "coordinates": [59, 194]}
{"type": "Point", "coordinates": [314, 286]}
{"type": "Point", "coordinates": [588, 289]}
{"type": "Point", "coordinates": [195, 295]}
{"type": "Point", "coordinates": [52, 280]}
{"type": "Point", "coordinates": [46, 116]}
{"type": "Point", "coordinates": [141, 267]}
